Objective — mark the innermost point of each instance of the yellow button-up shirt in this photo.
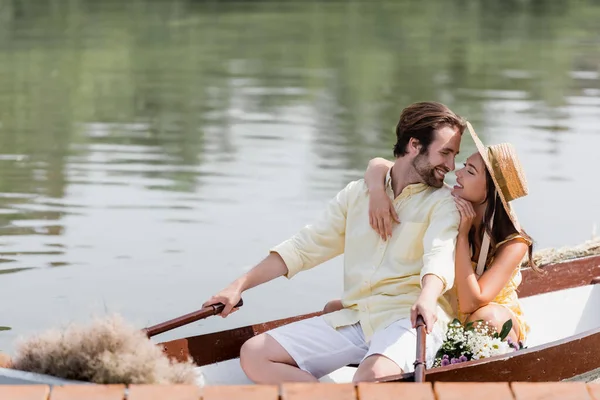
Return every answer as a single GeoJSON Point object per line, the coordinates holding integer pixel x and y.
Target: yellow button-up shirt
{"type": "Point", "coordinates": [382, 279]}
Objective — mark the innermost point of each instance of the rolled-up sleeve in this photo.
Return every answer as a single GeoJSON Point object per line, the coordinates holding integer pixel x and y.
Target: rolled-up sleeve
{"type": "Point", "coordinates": [439, 243]}
{"type": "Point", "coordinates": [320, 241]}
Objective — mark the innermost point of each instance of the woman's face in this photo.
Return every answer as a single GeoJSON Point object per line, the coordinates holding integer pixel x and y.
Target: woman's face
{"type": "Point", "coordinates": [471, 182]}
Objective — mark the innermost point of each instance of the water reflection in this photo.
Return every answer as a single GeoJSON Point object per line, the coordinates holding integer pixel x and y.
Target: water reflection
{"type": "Point", "coordinates": [148, 143]}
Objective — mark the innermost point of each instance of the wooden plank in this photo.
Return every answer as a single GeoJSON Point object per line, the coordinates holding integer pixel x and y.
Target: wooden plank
{"type": "Point", "coordinates": [594, 390]}
{"type": "Point", "coordinates": [24, 392]}
{"type": "Point", "coordinates": [312, 391]}
{"type": "Point", "coordinates": [246, 392]}
{"type": "Point", "coordinates": [88, 392]}
{"type": "Point", "coordinates": [550, 391]}
{"type": "Point", "coordinates": [394, 391]}
{"type": "Point", "coordinates": [161, 392]}
{"type": "Point", "coordinates": [472, 391]}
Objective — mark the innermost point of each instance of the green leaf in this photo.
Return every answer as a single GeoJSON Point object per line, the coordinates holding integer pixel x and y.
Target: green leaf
{"type": "Point", "coordinates": [5, 328]}
{"type": "Point", "coordinates": [455, 323]}
{"type": "Point", "coordinates": [506, 329]}
{"type": "Point", "coordinates": [471, 325]}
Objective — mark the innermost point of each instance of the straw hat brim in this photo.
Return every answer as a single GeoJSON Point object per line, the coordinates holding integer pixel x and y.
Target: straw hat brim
{"type": "Point", "coordinates": [483, 151]}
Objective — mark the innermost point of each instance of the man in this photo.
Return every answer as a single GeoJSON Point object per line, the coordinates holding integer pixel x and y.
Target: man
{"type": "Point", "coordinates": [386, 282]}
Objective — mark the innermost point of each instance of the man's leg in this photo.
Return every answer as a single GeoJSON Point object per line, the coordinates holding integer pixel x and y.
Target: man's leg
{"type": "Point", "coordinates": [264, 360]}
{"type": "Point", "coordinates": [375, 367]}
{"type": "Point", "coordinates": [301, 351]}
{"type": "Point", "coordinates": [393, 350]}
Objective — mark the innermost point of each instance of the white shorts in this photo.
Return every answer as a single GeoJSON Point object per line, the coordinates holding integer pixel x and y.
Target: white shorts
{"type": "Point", "coordinates": [319, 349]}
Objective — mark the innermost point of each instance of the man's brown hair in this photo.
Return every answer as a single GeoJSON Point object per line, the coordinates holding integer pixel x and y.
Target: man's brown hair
{"type": "Point", "coordinates": [420, 120]}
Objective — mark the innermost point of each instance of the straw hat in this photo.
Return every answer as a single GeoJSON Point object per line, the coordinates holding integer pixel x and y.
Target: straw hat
{"type": "Point", "coordinates": [507, 173]}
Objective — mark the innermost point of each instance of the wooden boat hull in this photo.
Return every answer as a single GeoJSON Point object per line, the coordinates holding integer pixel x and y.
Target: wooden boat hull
{"type": "Point", "coordinates": [568, 358]}
{"type": "Point", "coordinates": [14, 377]}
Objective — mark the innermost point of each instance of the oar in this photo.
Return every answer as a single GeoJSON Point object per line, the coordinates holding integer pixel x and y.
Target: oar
{"type": "Point", "coordinates": [203, 313]}
{"type": "Point", "coordinates": [421, 344]}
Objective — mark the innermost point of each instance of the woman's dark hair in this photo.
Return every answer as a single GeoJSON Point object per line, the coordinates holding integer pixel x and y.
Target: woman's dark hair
{"type": "Point", "coordinates": [502, 227]}
{"type": "Point", "coordinates": [420, 120]}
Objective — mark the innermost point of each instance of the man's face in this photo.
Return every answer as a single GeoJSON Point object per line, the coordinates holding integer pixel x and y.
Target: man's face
{"type": "Point", "coordinates": [433, 165]}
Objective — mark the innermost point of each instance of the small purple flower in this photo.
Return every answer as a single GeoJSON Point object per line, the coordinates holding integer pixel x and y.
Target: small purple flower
{"type": "Point", "coordinates": [445, 362]}
{"type": "Point", "coordinates": [445, 357]}
{"type": "Point", "coordinates": [454, 361]}
{"type": "Point", "coordinates": [462, 359]}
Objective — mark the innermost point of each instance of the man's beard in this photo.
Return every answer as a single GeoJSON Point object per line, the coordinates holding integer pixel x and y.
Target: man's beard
{"type": "Point", "coordinates": [426, 171]}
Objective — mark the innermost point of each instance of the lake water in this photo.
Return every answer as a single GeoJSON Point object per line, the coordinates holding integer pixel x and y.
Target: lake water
{"type": "Point", "coordinates": [152, 151]}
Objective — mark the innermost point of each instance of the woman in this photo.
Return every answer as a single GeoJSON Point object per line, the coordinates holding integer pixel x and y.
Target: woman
{"type": "Point", "coordinates": [490, 243]}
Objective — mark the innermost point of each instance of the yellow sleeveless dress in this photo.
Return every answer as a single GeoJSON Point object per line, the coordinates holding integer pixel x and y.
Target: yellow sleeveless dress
{"type": "Point", "coordinates": [508, 296]}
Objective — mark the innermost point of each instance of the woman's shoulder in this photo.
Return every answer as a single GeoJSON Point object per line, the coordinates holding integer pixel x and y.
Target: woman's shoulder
{"type": "Point", "coordinates": [514, 236]}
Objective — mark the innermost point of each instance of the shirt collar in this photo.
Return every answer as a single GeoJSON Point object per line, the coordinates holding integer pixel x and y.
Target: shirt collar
{"type": "Point", "coordinates": [413, 188]}
{"type": "Point", "coordinates": [388, 179]}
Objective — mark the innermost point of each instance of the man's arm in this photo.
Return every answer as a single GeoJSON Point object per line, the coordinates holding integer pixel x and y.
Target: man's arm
{"type": "Point", "coordinates": [426, 303]}
{"type": "Point", "coordinates": [269, 268]}
{"type": "Point", "coordinates": [311, 246]}
{"type": "Point", "coordinates": [321, 241]}
{"type": "Point", "coordinates": [437, 275]}
{"type": "Point", "coordinates": [439, 243]}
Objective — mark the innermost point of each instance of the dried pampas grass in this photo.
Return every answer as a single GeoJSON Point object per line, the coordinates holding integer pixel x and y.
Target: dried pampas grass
{"type": "Point", "coordinates": [552, 255]}
{"type": "Point", "coordinates": [108, 350]}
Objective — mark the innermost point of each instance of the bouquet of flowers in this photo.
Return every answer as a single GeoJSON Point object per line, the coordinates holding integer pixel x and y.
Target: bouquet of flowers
{"type": "Point", "coordinates": [473, 341]}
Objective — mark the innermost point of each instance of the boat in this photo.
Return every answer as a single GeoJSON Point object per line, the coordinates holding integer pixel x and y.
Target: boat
{"type": "Point", "coordinates": [561, 305]}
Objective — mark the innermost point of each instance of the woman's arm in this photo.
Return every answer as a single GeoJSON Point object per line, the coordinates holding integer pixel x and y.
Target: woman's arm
{"type": "Point", "coordinates": [474, 293]}
{"type": "Point", "coordinates": [375, 174]}
{"type": "Point", "coordinates": [381, 210]}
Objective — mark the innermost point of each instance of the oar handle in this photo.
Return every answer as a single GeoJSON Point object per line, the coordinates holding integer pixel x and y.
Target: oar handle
{"type": "Point", "coordinates": [421, 344]}
{"type": "Point", "coordinates": [204, 312]}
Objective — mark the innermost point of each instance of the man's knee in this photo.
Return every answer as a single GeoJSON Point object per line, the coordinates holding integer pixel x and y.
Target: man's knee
{"type": "Point", "coordinates": [376, 367]}
{"type": "Point", "coordinates": [251, 353]}
{"type": "Point", "coordinates": [256, 352]}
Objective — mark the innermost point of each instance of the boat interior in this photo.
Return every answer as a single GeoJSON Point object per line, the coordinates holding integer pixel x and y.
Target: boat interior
{"type": "Point", "coordinates": [553, 317]}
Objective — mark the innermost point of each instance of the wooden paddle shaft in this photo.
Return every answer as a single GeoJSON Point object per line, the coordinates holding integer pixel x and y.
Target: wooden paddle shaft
{"type": "Point", "coordinates": [421, 344]}
{"type": "Point", "coordinates": [204, 312]}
